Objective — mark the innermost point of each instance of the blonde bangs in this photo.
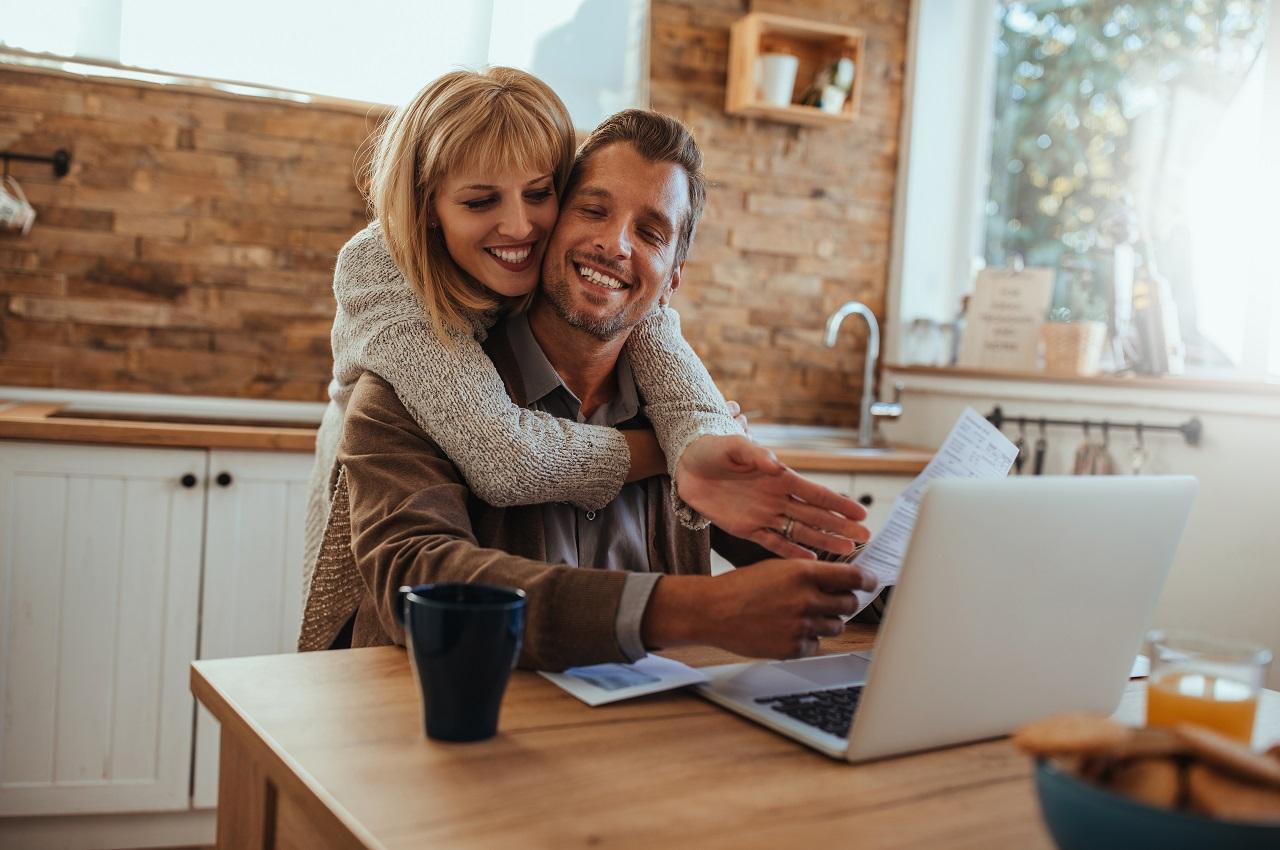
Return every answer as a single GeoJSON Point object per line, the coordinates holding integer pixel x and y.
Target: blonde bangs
{"type": "Point", "coordinates": [507, 136]}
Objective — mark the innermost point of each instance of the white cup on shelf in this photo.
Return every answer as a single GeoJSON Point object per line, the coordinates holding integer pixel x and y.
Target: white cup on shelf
{"type": "Point", "coordinates": [832, 100]}
{"type": "Point", "coordinates": [776, 77]}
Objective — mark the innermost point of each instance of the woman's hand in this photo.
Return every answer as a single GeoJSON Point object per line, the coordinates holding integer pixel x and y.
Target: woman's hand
{"type": "Point", "coordinates": [735, 410]}
{"type": "Point", "coordinates": [742, 488]}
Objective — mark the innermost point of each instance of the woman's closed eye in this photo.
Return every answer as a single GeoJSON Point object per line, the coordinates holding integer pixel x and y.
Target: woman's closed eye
{"type": "Point", "coordinates": [536, 196]}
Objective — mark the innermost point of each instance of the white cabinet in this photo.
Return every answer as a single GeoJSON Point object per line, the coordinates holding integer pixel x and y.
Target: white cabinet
{"type": "Point", "coordinates": [252, 574]}
{"type": "Point", "coordinates": [876, 493]}
{"type": "Point", "coordinates": [115, 576]}
{"type": "Point", "coordinates": [99, 596]}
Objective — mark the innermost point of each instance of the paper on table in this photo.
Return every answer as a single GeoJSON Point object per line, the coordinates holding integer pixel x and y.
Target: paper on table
{"type": "Point", "coordinates": [974, 449]}
{"type": "Point", "coordinates": [598, 684]}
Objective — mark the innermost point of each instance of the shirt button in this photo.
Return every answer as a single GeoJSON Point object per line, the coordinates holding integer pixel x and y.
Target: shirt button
{"type": "Point", "coordinates": [591, 515]}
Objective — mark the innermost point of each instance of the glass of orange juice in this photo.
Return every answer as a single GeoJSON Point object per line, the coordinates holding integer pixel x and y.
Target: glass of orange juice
{"type": "Point", "coordinates": [1203, 680]}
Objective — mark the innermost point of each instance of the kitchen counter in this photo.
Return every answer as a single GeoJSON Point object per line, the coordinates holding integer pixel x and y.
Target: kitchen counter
{"type": "Point", "coordinates": [893, 460]}
{"type": "Point", "coordinates": [53, 422]}
{"type": "Point", "coordinates": [168, 421]}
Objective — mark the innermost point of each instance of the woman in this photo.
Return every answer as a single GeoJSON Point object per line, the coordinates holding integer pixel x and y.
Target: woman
{"type": "Point", "coordinates": [465, 183]}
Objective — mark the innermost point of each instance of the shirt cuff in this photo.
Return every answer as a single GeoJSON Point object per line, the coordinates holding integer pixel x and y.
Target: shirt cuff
{"type": "Point", "coordinates": [635, 598]}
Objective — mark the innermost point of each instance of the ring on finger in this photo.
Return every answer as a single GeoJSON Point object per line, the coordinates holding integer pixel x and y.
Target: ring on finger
{"type": "Point", "coordinates": [786, 528]}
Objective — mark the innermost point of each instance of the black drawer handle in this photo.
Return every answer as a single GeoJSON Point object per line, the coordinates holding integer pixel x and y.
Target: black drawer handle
{"type": "Point", "coordinates": [223, 479]}
{"type": "Point", "coordinates": [188, 481]}
{"type": "Point", "coordinates": [866, 500]}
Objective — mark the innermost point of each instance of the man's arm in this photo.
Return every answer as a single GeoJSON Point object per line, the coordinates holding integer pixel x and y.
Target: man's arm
{"type": "Point", "coordinates": [409, 525]}
{"type": "Point", "coordinates": [776, 609]}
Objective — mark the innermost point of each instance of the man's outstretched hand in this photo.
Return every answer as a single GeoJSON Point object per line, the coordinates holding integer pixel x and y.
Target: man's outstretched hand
{"type": "Point", "coordinates": [773, 609]}
{"type": "Point", "coordinates": [741, 487]}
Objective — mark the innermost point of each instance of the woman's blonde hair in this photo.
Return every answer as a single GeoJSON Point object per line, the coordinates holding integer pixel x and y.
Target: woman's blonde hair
{"type": "Point", "coordinates": [493, 120]}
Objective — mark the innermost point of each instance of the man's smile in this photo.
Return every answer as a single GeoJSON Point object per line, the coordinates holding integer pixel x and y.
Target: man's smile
{"type": "Point", "coordinates": [596, 277]}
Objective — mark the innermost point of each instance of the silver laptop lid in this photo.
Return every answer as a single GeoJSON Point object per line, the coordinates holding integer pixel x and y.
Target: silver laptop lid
{"type": "Point", "coordinates": [1018, 598]}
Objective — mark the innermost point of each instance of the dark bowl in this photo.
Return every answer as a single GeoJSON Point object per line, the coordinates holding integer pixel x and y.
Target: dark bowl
{"type": "Point", "coordinates": [1084, 816]}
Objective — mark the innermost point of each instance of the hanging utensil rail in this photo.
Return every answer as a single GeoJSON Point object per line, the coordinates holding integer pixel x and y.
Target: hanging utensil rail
{"type": "Point", "coordinates": [59, 159]}
{"type": "Point", "coordinates": [1190, 430]}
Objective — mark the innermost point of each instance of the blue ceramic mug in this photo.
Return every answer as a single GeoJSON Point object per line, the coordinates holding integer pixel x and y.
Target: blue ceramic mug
{"type": "Point", "coordinates": [463, 641]}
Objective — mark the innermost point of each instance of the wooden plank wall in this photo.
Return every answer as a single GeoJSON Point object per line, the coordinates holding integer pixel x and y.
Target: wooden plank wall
{"type": "Point", "coordinates": [191, 249]}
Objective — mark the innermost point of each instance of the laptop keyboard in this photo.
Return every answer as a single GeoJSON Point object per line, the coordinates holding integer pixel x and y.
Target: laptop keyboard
{"type": "Point", "coordinates": [830, 710]}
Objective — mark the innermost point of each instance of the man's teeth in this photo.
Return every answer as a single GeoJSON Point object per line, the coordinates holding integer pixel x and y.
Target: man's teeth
{"type": "Point", "coordinates": [602, 279]}
{"type": "Point", "coordinates": [518, 256]}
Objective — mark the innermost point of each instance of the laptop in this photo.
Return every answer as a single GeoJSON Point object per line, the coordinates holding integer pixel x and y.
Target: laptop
{"type": "Point", "coordinates": [1018, 598]}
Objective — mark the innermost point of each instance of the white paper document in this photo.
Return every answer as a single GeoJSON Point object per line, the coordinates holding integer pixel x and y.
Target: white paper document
{"type": "Point", "coordinates": [974, 449]}
{"type": "Point", "coordinates": [604, 683]}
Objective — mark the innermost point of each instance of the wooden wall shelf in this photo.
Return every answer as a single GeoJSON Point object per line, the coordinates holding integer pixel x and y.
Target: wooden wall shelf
{"type": "Point", "coordinates": [814, 44]}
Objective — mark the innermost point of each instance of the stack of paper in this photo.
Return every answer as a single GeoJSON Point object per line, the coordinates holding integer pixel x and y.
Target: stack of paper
{"type": "Point", "coordinates": [974, 449]}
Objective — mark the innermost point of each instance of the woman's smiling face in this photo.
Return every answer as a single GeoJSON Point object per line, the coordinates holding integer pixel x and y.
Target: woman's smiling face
{"type": "Point", "coordinates": [496, 226]}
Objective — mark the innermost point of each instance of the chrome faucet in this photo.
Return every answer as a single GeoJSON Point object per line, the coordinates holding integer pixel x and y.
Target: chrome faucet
{"type": "Point", "coordinates": [870, 409]}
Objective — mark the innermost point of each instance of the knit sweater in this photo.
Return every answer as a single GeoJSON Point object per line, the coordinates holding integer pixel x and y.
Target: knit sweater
{"type": "Point", "coordinates": [509, 455]}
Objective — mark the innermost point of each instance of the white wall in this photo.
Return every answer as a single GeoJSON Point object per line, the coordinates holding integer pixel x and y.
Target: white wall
{"type": "Point", "coordinates": [1226, 578]}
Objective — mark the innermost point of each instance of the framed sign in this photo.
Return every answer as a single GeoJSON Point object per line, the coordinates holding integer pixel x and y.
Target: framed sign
{"type": "Point", "coordinates": [1003, 321]}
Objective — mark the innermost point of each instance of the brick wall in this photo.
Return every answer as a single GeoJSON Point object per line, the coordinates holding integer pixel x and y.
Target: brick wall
{"type": "Point", "coordinates": [799, 218]}
{"type": "Point", "coordinates": [191, 248]}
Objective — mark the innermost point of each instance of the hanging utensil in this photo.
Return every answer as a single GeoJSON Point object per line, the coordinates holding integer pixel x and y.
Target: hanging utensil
{"type": "Point", "coordinates": [1042, 445]}
{"type": "Point", "coordinates": [1021, 445]}
{"type": "Point", "coordinates": [1083, 462]}
{"type": "Point", "coordinates": [1101, 462]}
{"type": "Point", "coordinates": [1139, 456]}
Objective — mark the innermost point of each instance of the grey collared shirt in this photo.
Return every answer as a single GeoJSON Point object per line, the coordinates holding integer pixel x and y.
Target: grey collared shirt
{"type": "Point", "coordinates": [613, 537]}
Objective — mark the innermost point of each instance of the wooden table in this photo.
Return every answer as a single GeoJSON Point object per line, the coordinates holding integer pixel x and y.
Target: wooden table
{"type": "Point", "coordinates": [325, 750]}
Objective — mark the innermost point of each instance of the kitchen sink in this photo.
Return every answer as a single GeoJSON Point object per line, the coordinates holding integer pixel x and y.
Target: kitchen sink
{"type": "Point", "coordinates": [811, 438]}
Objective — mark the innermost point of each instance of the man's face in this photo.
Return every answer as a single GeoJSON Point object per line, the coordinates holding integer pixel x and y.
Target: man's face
{"type": "Point", "coordinates": [611, 258]}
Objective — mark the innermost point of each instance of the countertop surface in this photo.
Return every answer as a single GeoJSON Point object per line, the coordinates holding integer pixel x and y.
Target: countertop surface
{"type": "Point", "coordinates": [53, 422]}
{"type": "Point", "coordinates": [240, 425]}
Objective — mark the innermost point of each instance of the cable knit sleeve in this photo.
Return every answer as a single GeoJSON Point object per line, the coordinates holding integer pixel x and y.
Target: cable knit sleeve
{"type": "Point", "coordinates": [508, 455]}
{"type": "Point", "coordinates": [681, 399]}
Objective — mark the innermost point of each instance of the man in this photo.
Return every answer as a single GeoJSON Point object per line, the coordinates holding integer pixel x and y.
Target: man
{"type": "Point", "coordinates": [630, 211]}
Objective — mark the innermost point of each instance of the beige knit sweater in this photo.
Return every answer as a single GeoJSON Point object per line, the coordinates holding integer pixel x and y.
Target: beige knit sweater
{"type": "Point", "coordinates": [509, 455]}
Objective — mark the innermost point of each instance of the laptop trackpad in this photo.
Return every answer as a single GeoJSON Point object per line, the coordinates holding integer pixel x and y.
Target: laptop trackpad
{"type": "Point", "coordinates": [807, 674]}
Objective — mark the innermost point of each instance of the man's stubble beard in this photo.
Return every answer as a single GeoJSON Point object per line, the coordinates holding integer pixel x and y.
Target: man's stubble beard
{"type": "Point", "coordinates": [605, 329]}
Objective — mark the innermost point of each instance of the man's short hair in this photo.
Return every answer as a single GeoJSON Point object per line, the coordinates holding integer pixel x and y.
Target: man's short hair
{"type": "Point", "coordinates": [658, 138]}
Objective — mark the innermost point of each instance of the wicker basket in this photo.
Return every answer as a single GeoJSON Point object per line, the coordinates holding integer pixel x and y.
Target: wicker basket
{"type": "Point", "coordinates": [1072, 348]}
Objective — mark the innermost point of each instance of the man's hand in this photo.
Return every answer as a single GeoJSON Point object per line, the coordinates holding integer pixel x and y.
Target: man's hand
{"type": "Point", "coordinates": [773, 609]}
{"type": "Point", "coordinates": [741, 487]}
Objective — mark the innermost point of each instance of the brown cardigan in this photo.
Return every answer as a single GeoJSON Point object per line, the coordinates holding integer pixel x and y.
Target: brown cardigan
{"type": "Point", "coordinates": [414, 520]}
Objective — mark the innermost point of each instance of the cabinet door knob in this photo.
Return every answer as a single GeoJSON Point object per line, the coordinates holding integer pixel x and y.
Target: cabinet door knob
{"type": "Point", "coordinates": [187, 481]}
{"type": "Point", "coordinates": [866, 500]}
{"type": "Point", "coordinates": [223, 479]}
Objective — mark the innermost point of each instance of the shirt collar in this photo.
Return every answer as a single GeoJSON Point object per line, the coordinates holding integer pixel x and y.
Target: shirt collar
{"type": "Point", "coordinates": [540, 379]}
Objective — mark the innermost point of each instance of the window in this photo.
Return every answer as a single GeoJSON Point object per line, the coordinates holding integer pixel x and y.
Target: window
{"type": "Point", "coordinates": [1108, 136]}
{"type": "Point", "coordinates": [592, 53]}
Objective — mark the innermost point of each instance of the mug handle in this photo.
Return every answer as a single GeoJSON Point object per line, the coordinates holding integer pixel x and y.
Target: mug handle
{"type": "Point", "coordinates": [403, 593]}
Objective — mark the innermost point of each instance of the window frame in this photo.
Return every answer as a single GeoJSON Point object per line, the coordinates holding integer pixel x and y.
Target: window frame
{"type": "Point", "coordinates": [939, 222]}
